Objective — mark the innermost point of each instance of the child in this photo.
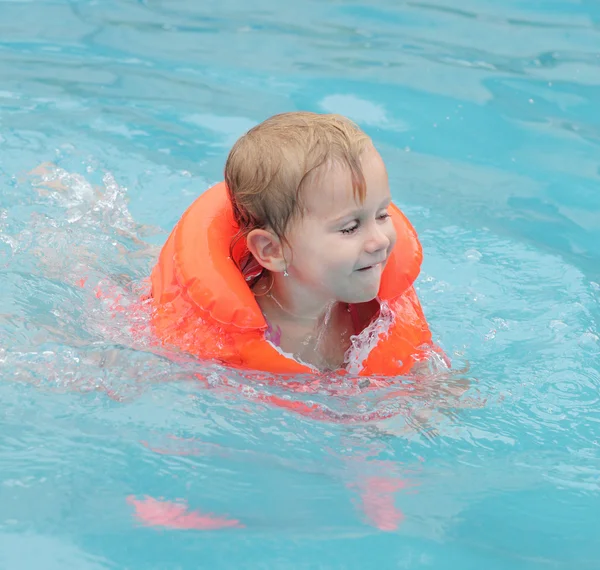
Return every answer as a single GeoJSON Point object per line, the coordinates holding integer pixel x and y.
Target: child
{"type": "Point", "coordinates": [300, 285]}
{"type": "Point", "coordinates": [310, 194]}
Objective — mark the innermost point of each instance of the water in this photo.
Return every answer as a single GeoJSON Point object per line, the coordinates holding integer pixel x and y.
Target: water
{"type": "Point", "coordinates": [115, 115]}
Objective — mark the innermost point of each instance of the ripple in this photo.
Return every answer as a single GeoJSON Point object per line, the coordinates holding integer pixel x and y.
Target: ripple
{"type": "Point", "coordinates": [574, 391]}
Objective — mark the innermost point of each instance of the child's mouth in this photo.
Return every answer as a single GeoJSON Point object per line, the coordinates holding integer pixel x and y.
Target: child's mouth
{"type": "Point", "coordinates": [369, 267]}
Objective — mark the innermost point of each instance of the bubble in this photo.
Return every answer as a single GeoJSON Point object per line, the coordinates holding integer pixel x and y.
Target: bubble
{"type": "Point", "coordinates": [7, 248]}
{"type": "Point", "coordinates": [589, 341]}
{"type": "Point", "coordinates": [557, 325]}
{"type": "Point", "coordinates": [473, 255]}
{"type": "Point", "coordinates": [490, 335]}
{"type": "Point", "coordinates": [559, 328]}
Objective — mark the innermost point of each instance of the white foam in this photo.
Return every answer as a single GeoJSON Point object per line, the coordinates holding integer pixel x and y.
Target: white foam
{"type": "Point", "coordinates": [364, 342]}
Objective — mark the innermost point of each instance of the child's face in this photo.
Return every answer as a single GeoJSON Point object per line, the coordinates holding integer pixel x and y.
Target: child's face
{"type": "Point", "coordinates": [339, 247]}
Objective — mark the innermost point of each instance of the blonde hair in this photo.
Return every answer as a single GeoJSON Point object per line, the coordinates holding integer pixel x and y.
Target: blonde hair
{"type": "Point", "coordinates": [268, 166]}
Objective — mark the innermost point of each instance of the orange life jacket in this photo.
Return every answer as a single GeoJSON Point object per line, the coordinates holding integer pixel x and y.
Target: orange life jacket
{"type": "Point", "coordinates": [203, 305]}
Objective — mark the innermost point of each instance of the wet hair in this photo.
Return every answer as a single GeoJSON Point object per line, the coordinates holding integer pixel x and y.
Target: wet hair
{"type": "Point", "coordinates": [268, 167]}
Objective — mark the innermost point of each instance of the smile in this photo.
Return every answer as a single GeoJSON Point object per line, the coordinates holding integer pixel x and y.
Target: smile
{"type": "Point", "coordinates": [374, 266]}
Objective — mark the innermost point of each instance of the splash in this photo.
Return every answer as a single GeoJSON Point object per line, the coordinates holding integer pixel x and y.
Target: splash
{"type": "Point", "coordinates": [73, 314]}
{"type": "Point", "coordinates": [364, 342]}
{"type": "Point", "coordinates": [77, 319]}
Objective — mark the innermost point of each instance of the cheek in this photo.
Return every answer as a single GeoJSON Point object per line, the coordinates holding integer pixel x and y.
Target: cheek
{"type": "Point", "coordinates": [342, 255]}
{"type": "Point", "coordinates": [300, 246]}
{"type": "Point", "coordinates": [310, 254]}
{"type": "Point", "coordinates": [327, 257]}
{"type": "Point", "coordinates": [392, 236]}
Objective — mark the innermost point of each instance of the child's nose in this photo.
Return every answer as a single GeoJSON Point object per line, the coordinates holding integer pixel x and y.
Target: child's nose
{"type": "Point", "coordinates": [377, 240]}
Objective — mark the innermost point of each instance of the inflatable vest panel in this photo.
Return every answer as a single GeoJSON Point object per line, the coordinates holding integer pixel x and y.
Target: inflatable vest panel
{"type": "Point", "coordinates": [203, 305]}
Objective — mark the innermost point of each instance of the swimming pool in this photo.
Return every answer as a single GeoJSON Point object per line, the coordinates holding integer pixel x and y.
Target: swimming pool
{"type": "Point", "coordinates": [115, 115]}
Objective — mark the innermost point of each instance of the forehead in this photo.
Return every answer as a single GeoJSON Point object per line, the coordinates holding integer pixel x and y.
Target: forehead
{"type": "Point", "coordinates": [329, 193]}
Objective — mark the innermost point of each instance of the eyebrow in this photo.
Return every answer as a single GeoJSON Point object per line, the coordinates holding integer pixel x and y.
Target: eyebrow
{"type": "Point", "coordinates": [354, 213]}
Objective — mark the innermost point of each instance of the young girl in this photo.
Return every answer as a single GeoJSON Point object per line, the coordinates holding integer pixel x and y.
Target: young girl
{"type": "Point", "coordinates": [310, 194]}
{"type": "Point", "coordinates": [301, 282]}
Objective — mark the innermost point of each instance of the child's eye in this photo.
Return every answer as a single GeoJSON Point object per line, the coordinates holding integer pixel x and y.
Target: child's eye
{"type": "Point", "coordinates": [351, 229]}
{"type": "Point", "coordinates": [383, 216]}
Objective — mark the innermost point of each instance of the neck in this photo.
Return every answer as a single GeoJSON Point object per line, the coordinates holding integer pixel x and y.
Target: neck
{"type": "Point", "coordinates": [284, 301]}
{"type": "Point", "coordinates": [314, 331]}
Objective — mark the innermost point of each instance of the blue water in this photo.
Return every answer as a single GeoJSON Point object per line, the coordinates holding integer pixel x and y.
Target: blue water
{"type": "Point", "coordinates": [115, 115]}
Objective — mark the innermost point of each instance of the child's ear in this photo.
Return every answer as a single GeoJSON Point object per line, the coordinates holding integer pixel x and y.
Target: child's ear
{"type": "Point", "coordinates": [267, 249]}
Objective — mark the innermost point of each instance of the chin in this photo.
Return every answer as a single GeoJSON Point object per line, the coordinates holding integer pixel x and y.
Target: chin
{"type": "Point", "coordinates": [362, 297]}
